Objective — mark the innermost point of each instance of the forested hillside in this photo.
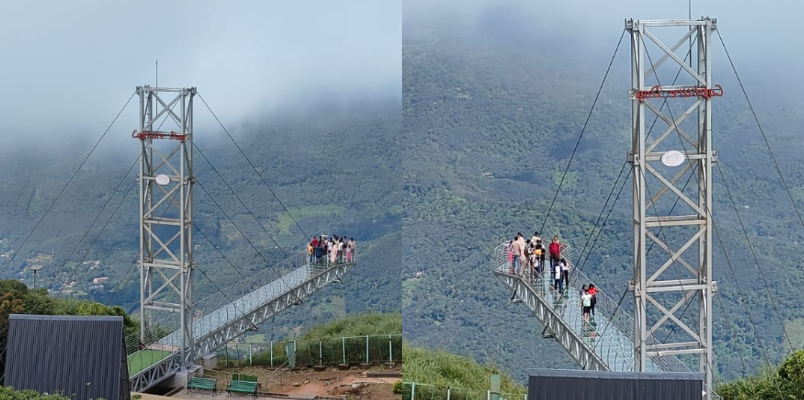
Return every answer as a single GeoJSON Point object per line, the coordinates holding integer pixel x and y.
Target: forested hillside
{"type": "Point", "coordinates": [329, 163]}
{"type": "Point", "coordinates": [492, 110]}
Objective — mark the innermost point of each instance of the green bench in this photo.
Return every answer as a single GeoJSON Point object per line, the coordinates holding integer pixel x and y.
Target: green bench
{"type": "Point", "coordinates": [242, 387]}
{"type": "Point", "coordinates": [203, 383]}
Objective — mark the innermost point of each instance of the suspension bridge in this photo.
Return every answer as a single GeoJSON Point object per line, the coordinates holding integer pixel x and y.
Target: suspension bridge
{"type": "Point", "coordinates": [177, 331]}
{"type": "Point", "coordinates": [626, 341]}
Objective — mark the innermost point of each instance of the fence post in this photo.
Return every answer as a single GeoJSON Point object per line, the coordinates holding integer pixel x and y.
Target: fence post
{"type": "Point", "coordinates": [449, 390]}
{"type": "Point", "coordinates": [250, 362]}
{"type": "Point", "coordinates": [412, 390]}
{"type": "Point", "coordinates": [320, 354]}
{"type": "Point", "coordinates": [488, 394]}
{"type": "Point", "coordinates": [390, 350]}
{"type": "Point", "coordinates": [367, 349]}
{"type": "Point", "coordinates": [343, 347]}
{"type": "Point", "coordinates": [272, 354]}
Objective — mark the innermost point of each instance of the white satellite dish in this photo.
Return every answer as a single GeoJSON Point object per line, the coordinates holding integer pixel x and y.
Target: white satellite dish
{"type": "Point", "coordinates": [162, 179]}
{"type": "Point", "coordinates": [673, 158]}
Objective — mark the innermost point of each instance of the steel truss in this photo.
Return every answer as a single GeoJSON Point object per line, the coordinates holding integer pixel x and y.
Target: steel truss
{"type": "Point", "coordinates": [166, 207]}
{"type": "Point", "coordinates": [551, 320]}
{"type": "Point", "coordinates": [645, 157]}
{"type": "Point", "coordinates": [232, 328]}
{"type": "Point", "coordinates": [248, 321]}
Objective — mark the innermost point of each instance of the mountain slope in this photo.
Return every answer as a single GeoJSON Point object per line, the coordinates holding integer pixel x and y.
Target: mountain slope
{"type": "Point", "coordinates": [508, 98]}
{"type": "Point", "coordinates": [327, 163]}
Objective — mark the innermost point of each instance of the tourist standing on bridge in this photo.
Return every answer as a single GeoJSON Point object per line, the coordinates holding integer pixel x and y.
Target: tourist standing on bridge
{"type": "Point", "coordinates": [541, 252]}
{"type": "Point", "coordinates": [556, 271]}
{"type": "Point", "coordinates": [534, 261]}
{"type": "Point", "coordinates": [516, 253]}
{"type": "Point", "coordinates": [586, 300]}
{"type": "Point", "coordinates": [555, 251]}
{"type": "Point", "coordinates": [593, 292]}
{"type": "Point", "coordinates": [333, 251]}
{"type": "Point", "coordinates": [564, 271]}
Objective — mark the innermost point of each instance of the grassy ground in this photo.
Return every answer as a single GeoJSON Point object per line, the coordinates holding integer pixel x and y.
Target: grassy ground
{"type": "Point", "coordinates": [144, 359]}
{"type": "Point", "coordinates": [444, 369]}
{"type": "Point", "coordinates": [358, 325]}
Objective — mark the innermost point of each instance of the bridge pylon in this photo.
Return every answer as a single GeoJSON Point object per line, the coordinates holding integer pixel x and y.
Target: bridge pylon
{"type": "Point", "coordinates": [660, 292]}
{"type": "Point", "coordinates": [166, 179]}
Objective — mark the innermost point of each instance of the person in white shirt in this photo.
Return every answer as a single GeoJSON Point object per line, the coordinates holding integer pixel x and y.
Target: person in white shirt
{"type": "Point", "coordinates": [516, 252]}
{"type": "Point", "coordinates": [586, 301]}
{"type": "Point", "coordinates": [564, 270]}
{"type": "Point", "coordinates": [557, 279]}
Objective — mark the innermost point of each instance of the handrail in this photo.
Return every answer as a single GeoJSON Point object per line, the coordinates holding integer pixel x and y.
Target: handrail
{"type": "Point", "coordinates": [614, 334]}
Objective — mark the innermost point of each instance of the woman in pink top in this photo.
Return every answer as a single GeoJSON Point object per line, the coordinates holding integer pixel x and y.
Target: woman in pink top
{"type": "Point", "coordinates": [333, 253]}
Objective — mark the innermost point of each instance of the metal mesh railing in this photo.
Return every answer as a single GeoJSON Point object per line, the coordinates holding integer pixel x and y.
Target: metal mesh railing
{"type": "Point", "coordinates": [421, 391]}
{"type": "Point", "coordinates": [610, 333]}
{"type": "Point", "coordinates": [241, 298]}
{"type": "Point", "coordinates": [372, 349]}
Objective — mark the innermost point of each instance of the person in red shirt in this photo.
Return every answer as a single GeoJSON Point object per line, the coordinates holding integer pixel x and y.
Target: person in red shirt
{"type": "Point", "coordinates": [593, 291]}
{"type": "Point", "coordinates": [555, 252]}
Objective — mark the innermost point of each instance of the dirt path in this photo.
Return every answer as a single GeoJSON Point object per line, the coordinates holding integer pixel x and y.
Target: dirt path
{"type": "Point", "coordinates": [332, 382]}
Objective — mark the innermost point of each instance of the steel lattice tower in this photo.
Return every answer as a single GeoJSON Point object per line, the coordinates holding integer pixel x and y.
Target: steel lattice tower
{"type": "Point", "coordinates": [166, 207]}
{"type": "Point", "coordinates": [655, 284]}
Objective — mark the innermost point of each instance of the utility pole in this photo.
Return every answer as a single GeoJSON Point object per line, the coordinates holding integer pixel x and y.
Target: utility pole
{"type": "Point", "coordinates": [660, 291]}
{"type": "Point", "coordinates": [166, 181]}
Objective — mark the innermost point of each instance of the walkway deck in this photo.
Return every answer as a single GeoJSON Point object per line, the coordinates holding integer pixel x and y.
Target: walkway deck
{"type": "Point", "coordinates": [226, 320]}
{"type": "Point", "coordinates": [605, 343]}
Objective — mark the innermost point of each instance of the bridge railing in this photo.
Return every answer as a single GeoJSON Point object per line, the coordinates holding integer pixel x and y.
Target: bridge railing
{"type": "Point", "coordinates": [612, 339]}
{"type": "Point", "coordinates": [423, 391]}
{"type": "Point", "coordinates": [241, 298]}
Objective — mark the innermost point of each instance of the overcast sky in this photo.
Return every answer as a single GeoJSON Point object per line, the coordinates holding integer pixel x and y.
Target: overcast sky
{"type": "Point", "coordinates": [767, 33]}
{"type": "Point", "coordinates": [69, 65]}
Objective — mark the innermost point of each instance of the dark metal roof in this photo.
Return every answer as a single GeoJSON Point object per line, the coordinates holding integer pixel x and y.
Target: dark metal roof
{"type": "Point", "coordinates": [577, 373]}
{"type": "Point", "coordinates": [605, 385]}
{"type": "Point", "coordinates": [83, 357]}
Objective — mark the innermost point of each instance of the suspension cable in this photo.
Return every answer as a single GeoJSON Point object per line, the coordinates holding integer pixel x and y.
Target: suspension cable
{"type": "Point", "coordinates": [745, 303]}
{"type": "Point", "coordinates": [271, 266]}
{"type": "Point", "coordinates": [761, 131]}
{"type": "Point", "coordinates": [756, 259]}
{"type": "Point", "coordinates": [253, 167]}
{"type": "Point", "coordinates": [650, 130]}
{"type": "Point", "coordinates": [239, 199]}
{"type": "Point", "coordinates": [700, 193]}
{"type": "Point", "coordinates": [97, 216]}
{"type": "Point", "coordinates": [14, 256]}
{"type": "Point", "coordinates": [578, 142]}
{"type": "Point", "coordinates": [708, 210]}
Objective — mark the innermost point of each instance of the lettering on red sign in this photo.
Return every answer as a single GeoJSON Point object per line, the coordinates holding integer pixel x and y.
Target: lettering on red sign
{"type": "Point", "coordinates": [656, 92]}
{"type": "Point", "coordinates": [158, 135]}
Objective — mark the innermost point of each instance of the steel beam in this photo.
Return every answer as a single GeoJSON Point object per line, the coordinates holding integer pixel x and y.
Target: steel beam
{"type": "Point", "coordinates": [563, 334]}
{"type": "Point", "coordinates": [645, 158]}
{"type": "Point", "coordinates": [232, 328]}
{"type": "Point", "coordinates": [165, 212]}
{"type": "Point", "coordinates": [156, 373]}
{"type": "Point", "coordinates": [240, 325]}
